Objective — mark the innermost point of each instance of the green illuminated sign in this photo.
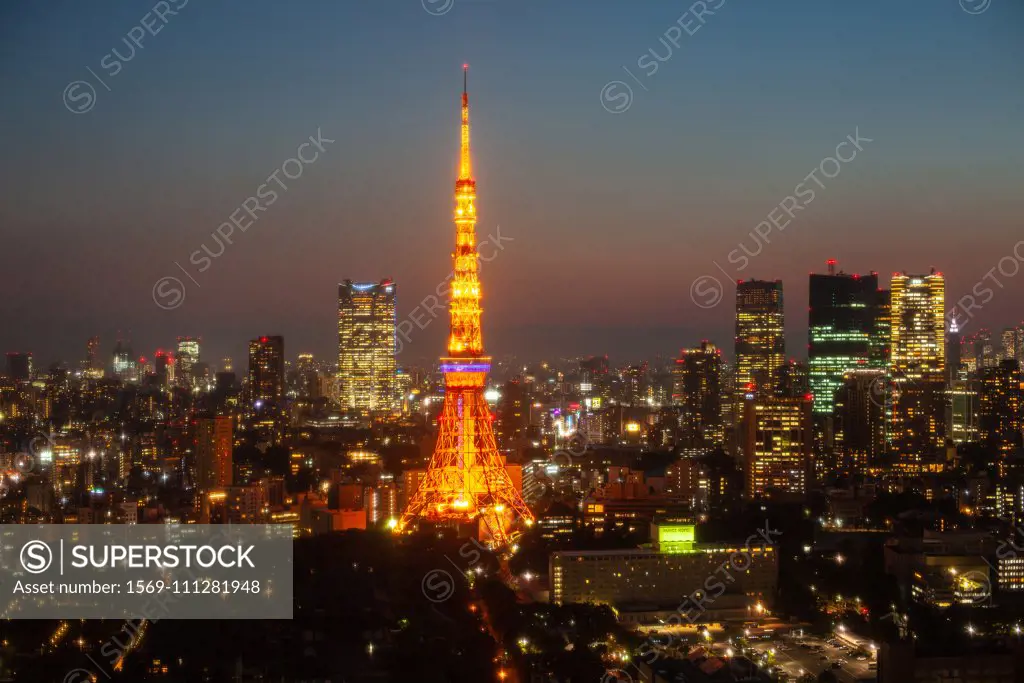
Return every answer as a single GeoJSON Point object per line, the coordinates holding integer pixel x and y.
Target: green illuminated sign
{"type": "Point", "coordinates": [676, 538]}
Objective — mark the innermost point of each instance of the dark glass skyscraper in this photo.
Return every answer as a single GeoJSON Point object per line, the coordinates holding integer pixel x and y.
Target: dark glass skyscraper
{"type": "Point", "coordinates": [266, 370]}
{"type": "Point", "coordinates": [843, 331]}
{"type": "Point", "coordinates": [697, 392]}
{"type": "Point", "coordinates": [1001, 400]}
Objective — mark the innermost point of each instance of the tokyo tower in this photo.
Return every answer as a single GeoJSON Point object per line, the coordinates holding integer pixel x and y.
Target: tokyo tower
{"type": "Point", "coordinates": [466, 480]}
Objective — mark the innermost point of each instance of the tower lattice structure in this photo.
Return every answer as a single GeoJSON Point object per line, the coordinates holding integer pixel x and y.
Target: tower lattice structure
{"type": "Point", "coordinates": [466, 480]}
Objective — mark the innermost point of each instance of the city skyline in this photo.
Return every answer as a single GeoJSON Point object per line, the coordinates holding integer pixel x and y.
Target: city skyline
{"type": "Point", "coordinates": [702, 360]}
{"type": "Point", "coordinates": [710, 171]}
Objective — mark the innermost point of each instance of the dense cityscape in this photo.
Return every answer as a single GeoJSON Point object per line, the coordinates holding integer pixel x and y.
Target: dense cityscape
{"type": "Point", "coordinates": [849, 510]}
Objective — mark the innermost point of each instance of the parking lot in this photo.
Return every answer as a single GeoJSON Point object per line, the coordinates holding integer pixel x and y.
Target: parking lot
{"type": "Point", "coordinates": [798, 656]}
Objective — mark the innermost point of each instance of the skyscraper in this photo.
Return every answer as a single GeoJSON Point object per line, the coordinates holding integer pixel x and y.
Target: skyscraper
{"type": "Point", "coordinates": [93, 366]}
{"type": "Point", "coordinates": [841, 325]}
{"type": "Point", "coordinates": [185, 359]}
{"type": "Point", "coordinates": [125, 367]}
{"type": "Point", "coordinates": [266, 371]}
{"type": "Point", "coordinates": [777, 439]}
{"type": "Point", "coordinates": [963, 411]}
{"type": "Point", "coordinates": [697, 392]}
{"type": "Point", "coordinates": [512, 414]}
{"type": "Point", "coordinates": [860, 418]}
{"type": "Point", "coordinates": [760, 338]}
{"type": "Point", "coordinates": [1000, 406]}
{"type": "Point", "coordinates": [367, 346]}
{"type": "Point", "coordinates": [214, 442]}
{"type": "Point", "coordinates": [918, 365]}
{"type": "Point", "coordinates": [466, 480]}
{"type": "Point", "coordinates": [19, 366]}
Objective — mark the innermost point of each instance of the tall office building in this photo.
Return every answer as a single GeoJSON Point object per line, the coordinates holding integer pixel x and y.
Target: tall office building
{"type": "Point", "coordinates": [1000, 405]}
{"type": "Point", "coordinates": [367, 346]}
{"type": "Point", "coordinates": [125, 367]}
{"type": "Point", "coordinates": [214, 442]}
{"type": "Point", "coordinates": [794, 379]}
{"type": "Point", "coordinates": [697, 391]}
{"type": "Point", "coordinates": [163, 367]}
{"type": "Point", "coordinates": [19, 366]}
{"type": "Point", "coordinates": [777, 439]}
{"type": "Point", "coordinates": [977, 350]}
{"type": "Point", "coordinates": [512, 414]}
{"type": "Point", "coordinates": [266, 371]}
{"type": "Point", "coordinates": [918, 365]}
{"type": "Point", "coordinates": [93, 366]}
{"type": "Point", "coordinates": [842, 328]}
{"type": "Point", "coordinates": [185, 359]}
{"type": "Point", "coordinates": [860, 418]}
{"type": "Point", "coordinates": [760, 337]}
{"type": "Point", "coordinates": [963, 411]}
{"type": "Point", "coordinates": [1012, 340]}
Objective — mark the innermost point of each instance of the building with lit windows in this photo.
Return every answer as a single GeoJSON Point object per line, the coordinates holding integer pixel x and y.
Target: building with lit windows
{"type": "Point", "coordinates": [652, 582]}
{"type": "Point", "coordinates": [213, 448]}
{"type": "Point", "coordinates": [760, 336]}
{"type": "Point", "coordinates": [917, 366]}
{"type": "Point", "coordinates": [1000, 406]}
{"type": "Point", "coordinates": [185, 359]}
{"type": "Point", "coordinates": [93, 366]}
{"type": "Point", "coordinates": [963, 411]}
{"type": "Point", "coordinates": [1010, 570]}
{"type": "Point", "coordinates": [512, 417]}
{"type": "Point", "coordinates": [697, 392]}
{"type": "Point", "coordinates": [367, 345]}
{"type": "Point", "coordinates": [842, 331]}
{"type": "Point", "coordinates": [266, 372]}
{"type": "Point", "coordinates": [214, 444]}
{"type": "Point", "coordinates": [860, 418]}
{"type": "Point", "coordinates": [776, 439]}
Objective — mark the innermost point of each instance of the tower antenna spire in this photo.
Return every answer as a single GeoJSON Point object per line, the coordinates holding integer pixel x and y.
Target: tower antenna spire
{"type": "Point", "coordinates": [466, 480]}
{"type": "Point", "coordinates": [465, 164]}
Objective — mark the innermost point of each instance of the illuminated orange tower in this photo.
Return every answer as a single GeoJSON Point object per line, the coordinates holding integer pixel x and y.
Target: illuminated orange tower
{"type": "Point", "coordinates": [466, 480]}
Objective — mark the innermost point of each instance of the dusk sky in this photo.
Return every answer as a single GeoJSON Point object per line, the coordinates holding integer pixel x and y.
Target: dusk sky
{"type": "Point", "coordinates": [611, 215]}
